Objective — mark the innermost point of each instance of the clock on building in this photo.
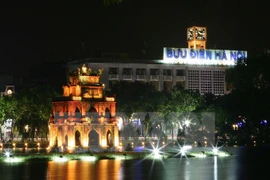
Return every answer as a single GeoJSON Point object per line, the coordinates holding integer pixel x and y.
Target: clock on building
{"type": "Point", "coordinates": [200, 33]}
{"type": "Point", "coordinates": [190, 34]}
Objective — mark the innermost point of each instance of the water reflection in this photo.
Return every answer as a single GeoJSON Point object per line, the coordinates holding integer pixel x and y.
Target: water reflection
{"type": "Point", "coordinates": [215, 168]}
{"type": "Point", "coordinates": [103, 169]}
{"type": "Point", "coordinates": [244, 164]}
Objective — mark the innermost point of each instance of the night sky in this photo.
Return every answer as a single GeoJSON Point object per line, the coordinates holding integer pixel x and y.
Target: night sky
{"type": "Point", "coordinates": [32, 34]}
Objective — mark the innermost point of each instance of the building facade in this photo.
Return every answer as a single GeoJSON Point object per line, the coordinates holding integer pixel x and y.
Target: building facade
{"type": "Point", "coordinates": [195, 67]}
{"type": "Point", "coordinates": [84, 116]}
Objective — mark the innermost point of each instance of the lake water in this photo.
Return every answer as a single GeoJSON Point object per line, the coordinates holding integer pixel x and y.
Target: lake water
{"type": "Point", "coordinates": [244, 164]}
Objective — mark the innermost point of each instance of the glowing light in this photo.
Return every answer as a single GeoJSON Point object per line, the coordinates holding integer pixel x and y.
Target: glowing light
{"type": "Point", "coordinates": [71, 143]}
{"type": "Point", "coordinates": [223, 154]}
{"type": "Point", "coordinates": [9, 158]}
{"type": "Point", "coordinates": [235, 126]}
{"type": "Point", "coordinates": [182, 151]}
{"type": "Point", "coordinates": [103, 143]}
{"type": "Point", "coordinates": [198, 155]}
{"type": "Point", "coordinates": [187, 123]}
{"type": "Point", "coordinates": [202, 57]}
{"type": "Point", "coordinates": [187, 147]}
{"type": "Point", "coordinates": [110, 99]}
{"type": "Point", "coordinates": [215, 168]}
{"type": "Point", "coordinates": [9, 92]}
{"type": "Point", "coordinates": [120, 157]}
{"type": "Point", "coordinates": [157, 153]}
{"type": "Point", "coordinates": [13, 160]}
{"type": "Point", "coordinates": [60, 159]}
{"type": "Point", "coordinates": [85, 143]}
{"type": "Point", "coordinates": [76, 98]}
{"type": "Point", "coordinates": [215, 151]}
{"type": "Point", "coordinates": [88, 158]}
{"type": "Point", "coordinates": [120, 148]}
{"type": "Point", "coordinates": [70, 148]}
{"type": "Point", "coordinates": [116, 141]}
{"type": "Point", "coordinates": [7, 154]}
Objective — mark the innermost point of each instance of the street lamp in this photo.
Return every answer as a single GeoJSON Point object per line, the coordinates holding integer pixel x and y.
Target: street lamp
{"type": "Point", "coordinates": [187, 122]}
{"type": "Point", "coordinates": [235, 126]}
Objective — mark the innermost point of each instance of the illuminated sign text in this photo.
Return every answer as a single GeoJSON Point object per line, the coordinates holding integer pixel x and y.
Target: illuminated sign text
{"type": "Point", "coordinates": [202, 56]}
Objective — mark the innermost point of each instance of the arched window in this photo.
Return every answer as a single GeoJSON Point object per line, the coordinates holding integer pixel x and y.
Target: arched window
{"type": "Point", "coordinates": [92, 114]}
{"type": "Point", "coordinates": [107, 115]}
{"type": "Point", "coordinates": [77, 138]}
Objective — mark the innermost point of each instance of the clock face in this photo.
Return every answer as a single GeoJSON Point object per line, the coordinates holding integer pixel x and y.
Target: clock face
{"type": "Point", "coordinates": [190, 35]}
{"type": "Point", "coordinates": [200, 33]}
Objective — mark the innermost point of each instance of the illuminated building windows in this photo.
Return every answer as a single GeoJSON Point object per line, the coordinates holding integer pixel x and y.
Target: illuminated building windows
{"type": "Point", "coordinates": [218, 75]}
{"type": "Point", "coordinates": [194, 75]}
{"type": "Point", "coordinates": [194, 85]}
{"type": "Point", "coordinates": [206, 75]}
{"type": "Point", "coordinates": [206, 87]}
{"type": "Point", "coordinates": [218, 88]}
{"type": "Point", "coordinates": [193, 79]}
{"type": "Point", "coordinates": [206, 82]}
{"type": "Point", "coordinates": [218, 82]}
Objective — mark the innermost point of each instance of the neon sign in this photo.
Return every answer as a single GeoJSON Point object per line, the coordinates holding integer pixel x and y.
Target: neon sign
{"type": "Point", "coordinates": [202, 56]}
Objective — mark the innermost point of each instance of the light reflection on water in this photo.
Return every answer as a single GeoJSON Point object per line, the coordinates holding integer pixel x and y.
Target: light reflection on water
{"type": "Point", "coordinates": [103, 169]}
{"type": "Point", "coordinates": [175, 168]}
{"type": "Point", "coordinates": [234, 167]}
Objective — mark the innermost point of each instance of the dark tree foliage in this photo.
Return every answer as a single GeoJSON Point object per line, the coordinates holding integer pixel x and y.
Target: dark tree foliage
{"type": "Point", "coordinates": [110, 2]}
{"type": "Point", "coordinates": [133, 96]}
{"type": "Point", "coordinates": [250, 94]}
{"type": "Point", "coordinates": [250, 81]}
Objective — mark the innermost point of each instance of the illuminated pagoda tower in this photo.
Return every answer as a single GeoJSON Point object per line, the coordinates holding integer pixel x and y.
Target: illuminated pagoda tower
{"type": "Point", "coordinates": [196, 37]}
{"type": "Point", "coordinates": [84, 116]}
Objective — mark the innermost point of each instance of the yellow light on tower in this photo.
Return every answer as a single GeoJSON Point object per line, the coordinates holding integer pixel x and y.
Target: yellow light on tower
{"type": "Point", "coordinates": [103, 144]}
{"type": "Point", "coordinates": [85, 142]}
